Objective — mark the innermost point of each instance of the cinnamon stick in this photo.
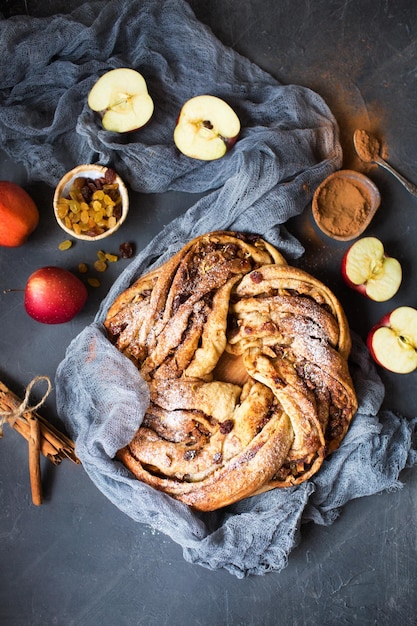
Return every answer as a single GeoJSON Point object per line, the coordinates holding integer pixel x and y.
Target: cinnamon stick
{"type": "Point", "coordinates": [54, 444]}
{"type": "Point", "coordinates": [34, 460]}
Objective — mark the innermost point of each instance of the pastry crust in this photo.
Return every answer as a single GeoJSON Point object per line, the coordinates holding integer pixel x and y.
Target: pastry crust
{"type": "Point", "coordinates": [246, 361]}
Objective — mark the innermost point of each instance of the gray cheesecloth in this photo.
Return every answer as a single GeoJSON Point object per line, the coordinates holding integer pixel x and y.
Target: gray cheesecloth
{"type": "Point", "coordinates": [288, 145]}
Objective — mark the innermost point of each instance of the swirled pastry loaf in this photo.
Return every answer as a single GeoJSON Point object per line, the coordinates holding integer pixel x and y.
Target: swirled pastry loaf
{"type": "Point", "coordinates": [246, 362]}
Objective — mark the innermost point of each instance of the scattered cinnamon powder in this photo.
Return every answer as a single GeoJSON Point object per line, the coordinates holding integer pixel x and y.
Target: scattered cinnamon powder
{"type": "Point", "coordinates": [343, 207]}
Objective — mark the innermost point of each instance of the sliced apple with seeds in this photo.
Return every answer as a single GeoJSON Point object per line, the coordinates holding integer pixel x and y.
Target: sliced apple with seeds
{"type": "Point", "coordinates": [393, 341]}
{"type": "Point", "coordinates": [370, 271]}
{"type": "Point", "coordinates": [207, 127]}
{"type": "Point", "coordinates": [122, 99]}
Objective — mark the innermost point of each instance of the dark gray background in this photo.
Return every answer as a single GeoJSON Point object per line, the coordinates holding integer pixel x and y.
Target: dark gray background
{"type": "Point", "coordinates": [77, 560]}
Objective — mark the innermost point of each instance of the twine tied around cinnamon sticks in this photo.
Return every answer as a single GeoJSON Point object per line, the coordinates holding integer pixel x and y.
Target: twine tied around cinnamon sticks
{"type": "Point", "coordinates": [42, 437]}
{"type": "Point", "coordinates": [19, 411]}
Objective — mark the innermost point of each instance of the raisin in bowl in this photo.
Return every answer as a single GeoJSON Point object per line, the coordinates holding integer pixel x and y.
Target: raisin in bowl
{"type": "Point", "coordinates": [91, 202]}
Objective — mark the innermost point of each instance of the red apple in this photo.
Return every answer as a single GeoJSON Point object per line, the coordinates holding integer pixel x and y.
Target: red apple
{"type": "Point", "coordinates": [54, 295]}
{"type": "Point", "coordinates": [122, 99]}
{"type": "Point", "coordinates": [367, 269]}
{"type": "Point", "coordinates": [392, 342]}
{"type": "Point", "coordinates": [206, 129]}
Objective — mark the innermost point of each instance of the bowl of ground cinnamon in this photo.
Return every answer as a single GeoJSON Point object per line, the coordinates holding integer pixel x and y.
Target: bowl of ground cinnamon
{"type": "Point", "coordinates": [344, 204]}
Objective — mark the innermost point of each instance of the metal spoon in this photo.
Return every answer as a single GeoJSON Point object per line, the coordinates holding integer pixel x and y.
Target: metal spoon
{"type": "Point", "coordinates": [367, 146]}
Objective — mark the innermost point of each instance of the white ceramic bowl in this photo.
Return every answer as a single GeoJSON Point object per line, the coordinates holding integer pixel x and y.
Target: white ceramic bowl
{"type": "Point", "coordinates": [93, 172]}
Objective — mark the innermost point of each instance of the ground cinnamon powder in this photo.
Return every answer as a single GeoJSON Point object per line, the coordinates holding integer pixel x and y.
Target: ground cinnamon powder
{"type": "Point", "coordinates": [343, 207]}
{"type": "Point", "coordinates": [367, 146]}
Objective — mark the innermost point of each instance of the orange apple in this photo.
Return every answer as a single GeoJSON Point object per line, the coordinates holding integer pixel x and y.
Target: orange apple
{"type": "Point", "coordinates": [19, 215]}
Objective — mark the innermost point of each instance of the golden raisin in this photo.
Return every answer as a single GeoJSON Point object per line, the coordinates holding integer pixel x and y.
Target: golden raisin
{"type": "Point", "coordinates": [93, 282]}
{"type": "Point", "coordinates": [63, 209]}
{"type": "Point", "coordinates": [84, 217]}
{"type": "Point", "coordinates": [100, 266]}
{"type": "Point", "coordinates": [65, 245]}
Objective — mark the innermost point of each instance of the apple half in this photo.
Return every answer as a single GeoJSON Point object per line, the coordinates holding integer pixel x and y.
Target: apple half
{"type": "Point", "coordinates": [392, 342]}
{"type": "Point", "coordinates": [207, 127]}
{"type": "Point", "coordinates": [367, 269]}
{"type": "Point", "coordinates": [122, 99]}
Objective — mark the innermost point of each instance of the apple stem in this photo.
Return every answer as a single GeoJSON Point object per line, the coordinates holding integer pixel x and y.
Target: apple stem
{"type": "Point", "coordinates": [11, 290]}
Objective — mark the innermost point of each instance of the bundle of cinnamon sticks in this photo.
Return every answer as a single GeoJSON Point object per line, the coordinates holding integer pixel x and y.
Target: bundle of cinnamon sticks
{"type": "Point", "coordinates": [42, 437]}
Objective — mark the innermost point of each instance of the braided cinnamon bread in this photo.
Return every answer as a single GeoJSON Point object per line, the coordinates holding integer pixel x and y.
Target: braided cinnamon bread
{"type": "Point", "coordinates": [246, 362]}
